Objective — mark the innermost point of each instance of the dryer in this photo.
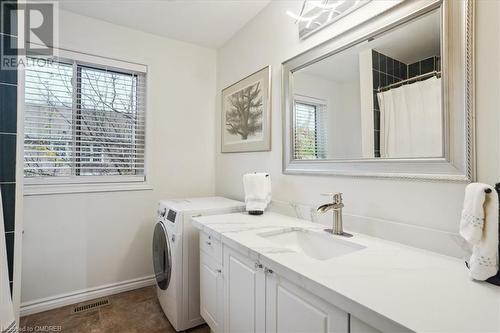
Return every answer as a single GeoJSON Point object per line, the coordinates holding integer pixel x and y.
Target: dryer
{"type": "Point", "coordinates": [176, 256]}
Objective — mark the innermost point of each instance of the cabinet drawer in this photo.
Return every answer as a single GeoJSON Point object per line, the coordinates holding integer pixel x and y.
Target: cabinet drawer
{"type": "Point", "coordinates": [211, 246]}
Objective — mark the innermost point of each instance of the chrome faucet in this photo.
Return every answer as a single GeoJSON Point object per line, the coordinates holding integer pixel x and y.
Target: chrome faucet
{"type": "Point", "coordinates": [336, 206]}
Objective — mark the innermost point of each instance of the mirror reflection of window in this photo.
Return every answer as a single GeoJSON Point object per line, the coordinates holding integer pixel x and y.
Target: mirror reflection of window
{"type": "Point", "coordinates": [382, 97]}
{"type": "Point", "coordinates": [310, 137]}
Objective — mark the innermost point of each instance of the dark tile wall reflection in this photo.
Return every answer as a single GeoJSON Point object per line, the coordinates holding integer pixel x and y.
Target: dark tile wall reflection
{"type": "Point", "coordinates": [386, 71]}
{"type": "Point", "coordinates": [8, 129]}
{"type": "Point", "coordinates": [424, 66]}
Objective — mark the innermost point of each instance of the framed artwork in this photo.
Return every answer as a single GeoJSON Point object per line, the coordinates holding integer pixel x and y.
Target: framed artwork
{"type": "Point", "coordinates": [246, 116]}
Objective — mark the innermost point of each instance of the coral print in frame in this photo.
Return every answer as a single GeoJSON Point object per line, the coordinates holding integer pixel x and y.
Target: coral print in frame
{"type": "Point", "coordinates": [246, 117]}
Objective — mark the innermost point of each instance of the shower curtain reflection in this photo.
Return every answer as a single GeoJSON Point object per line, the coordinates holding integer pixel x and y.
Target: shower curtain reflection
{"type": "Point", "coordinates": [411, 120]}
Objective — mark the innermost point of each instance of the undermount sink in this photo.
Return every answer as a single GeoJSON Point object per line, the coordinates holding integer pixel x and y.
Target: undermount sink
{"type": "Point", "coordinates": [317, 245]}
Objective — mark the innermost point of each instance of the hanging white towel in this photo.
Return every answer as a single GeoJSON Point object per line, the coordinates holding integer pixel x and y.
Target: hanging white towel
{"type": "Point", "coordinates": [7, 319]}
{"type": "Point", "coordinates": [479, 226]}
{"type": "Point", "coordinates": [472, 221]}
{"type": "Point", "coordinates": [257, 191]}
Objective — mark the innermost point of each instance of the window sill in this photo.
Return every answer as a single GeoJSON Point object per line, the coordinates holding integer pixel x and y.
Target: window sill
{"type": "Point", "coordinates": [47, 189]}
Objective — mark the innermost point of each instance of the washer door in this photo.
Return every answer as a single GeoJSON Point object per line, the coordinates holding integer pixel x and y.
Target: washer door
{"type": "Point", "coordinates": [162, 259]}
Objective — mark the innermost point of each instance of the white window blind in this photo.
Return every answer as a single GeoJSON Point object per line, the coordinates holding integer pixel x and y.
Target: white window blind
{"type": "Point", "coordinates": [310, 139]}
{"type": "Point", "coordinates": [83, 120]}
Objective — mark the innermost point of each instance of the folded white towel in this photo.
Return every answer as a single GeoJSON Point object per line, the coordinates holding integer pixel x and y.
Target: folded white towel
{"type": "Point", "coordinates": [257, 191]}
{"type": "Point", "coordinates": [479, 226]}
{"type": "Point", "coordinates": [7, 320]}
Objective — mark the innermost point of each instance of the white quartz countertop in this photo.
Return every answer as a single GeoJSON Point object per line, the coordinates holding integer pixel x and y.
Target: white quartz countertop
{"type": "Point", "coordinates": [418, 289]}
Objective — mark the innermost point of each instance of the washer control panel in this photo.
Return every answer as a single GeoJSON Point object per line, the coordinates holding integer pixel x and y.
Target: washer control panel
{"type": "Point", "coordinates": [171, 215]}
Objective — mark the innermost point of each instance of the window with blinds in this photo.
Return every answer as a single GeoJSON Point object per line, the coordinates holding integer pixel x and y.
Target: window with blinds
{"type": "Point", "coordinates": [310, 134]}
{"type": "Point", "coordinates": [82, 121]}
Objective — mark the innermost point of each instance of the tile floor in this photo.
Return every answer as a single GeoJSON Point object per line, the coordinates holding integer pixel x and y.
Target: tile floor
{"type": "Point", "coordinates": [129, 312]}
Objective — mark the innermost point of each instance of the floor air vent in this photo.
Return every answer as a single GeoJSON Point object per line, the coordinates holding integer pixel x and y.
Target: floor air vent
{"type": "Point", "coordinates": [91, 305]}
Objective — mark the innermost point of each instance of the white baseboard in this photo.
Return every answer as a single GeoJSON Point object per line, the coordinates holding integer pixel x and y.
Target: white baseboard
{"type": "Point", "coordinates": [84, 295]}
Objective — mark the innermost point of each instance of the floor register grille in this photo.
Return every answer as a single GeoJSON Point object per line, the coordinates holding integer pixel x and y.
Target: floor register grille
{"type": "Point", "coordinates": [91, 305]}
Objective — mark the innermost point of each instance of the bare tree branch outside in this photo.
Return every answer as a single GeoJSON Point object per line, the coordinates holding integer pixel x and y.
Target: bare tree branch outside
{"type": "Point", "coordinates": [82, 121]}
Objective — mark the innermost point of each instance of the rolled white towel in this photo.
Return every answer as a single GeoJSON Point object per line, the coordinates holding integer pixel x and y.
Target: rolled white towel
{"type": "Point", "coordinates": [257, 191]}
{"type": "Point", "coordinates": [479, 226]}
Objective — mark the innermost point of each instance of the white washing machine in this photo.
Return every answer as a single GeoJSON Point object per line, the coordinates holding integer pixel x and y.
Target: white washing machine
{"type": "Point", "coordinates": [176, 256]}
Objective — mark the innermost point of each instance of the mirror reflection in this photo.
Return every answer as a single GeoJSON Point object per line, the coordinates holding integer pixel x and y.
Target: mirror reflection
{"type": "Point", "coordinates": [378, 99]}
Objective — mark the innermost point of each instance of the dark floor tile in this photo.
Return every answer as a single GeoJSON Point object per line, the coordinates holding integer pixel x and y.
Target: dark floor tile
{"type": "Point", "coordinates": [135, 311]}
{"type": "Point", "coordinates": [9, 205]}
{"type": "Point", "coordinates": [200, 329]}
{"type": "Point", "coordinates": [82, 322]}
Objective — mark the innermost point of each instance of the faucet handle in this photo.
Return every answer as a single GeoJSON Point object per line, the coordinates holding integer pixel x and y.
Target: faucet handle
{"type": "Point", "coordinates": [336, 196]}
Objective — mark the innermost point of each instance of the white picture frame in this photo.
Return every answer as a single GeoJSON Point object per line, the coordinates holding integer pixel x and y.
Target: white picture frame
{"type": "Point", "coordinates": [246, 115]}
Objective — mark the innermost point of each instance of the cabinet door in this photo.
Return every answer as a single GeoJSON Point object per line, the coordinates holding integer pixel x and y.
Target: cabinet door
{"type": "Point", "coordinates": [211, 292]}
{"type": "Point", "coordinates": [290, 308]}
{"type": "Point", "coordinates": [244, 294]}
{"type": "Point", "coordinates": [357, 326]}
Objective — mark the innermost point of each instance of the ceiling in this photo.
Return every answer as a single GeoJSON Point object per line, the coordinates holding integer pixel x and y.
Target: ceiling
{"type": "Point", "coordinates": [209, 23]}
{"type": "Point", "coordinates": [342, 67]}
{"type": "Point", "coordinates": [414, 41]}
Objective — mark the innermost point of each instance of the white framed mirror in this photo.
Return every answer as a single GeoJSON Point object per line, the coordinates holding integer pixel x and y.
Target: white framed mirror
{"type": "Point", "coordinates": [392, 97]}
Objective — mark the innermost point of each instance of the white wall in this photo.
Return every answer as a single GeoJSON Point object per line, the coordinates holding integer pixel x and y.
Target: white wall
{"type": "Point", "coordinates": [347, 122]}
{"type": "Point", "coordinates": [424, 214]}
{"type": "Point", "coordinates": [343, 120]}
{"type": "Point", "coordinates": [78, 241]}
{"type": "Point", "coordinates": [313, 86]}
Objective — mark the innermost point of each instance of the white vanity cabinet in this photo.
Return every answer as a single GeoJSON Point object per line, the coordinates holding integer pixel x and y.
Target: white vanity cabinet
{"type": "Point", "coordinates": [259, 300]}
{"type": "Point", "coordinates": [244, 293]}
{"type": "Point", "coordinates": [290, 308]}
{"type": "Point", "coordinates": [211, 283]}
{"type": "Point", "coordinates": [240, 295]}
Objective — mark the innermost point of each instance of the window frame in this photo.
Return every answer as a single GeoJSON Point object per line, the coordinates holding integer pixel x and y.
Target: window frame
{"type": "Point", "coordinates": [82, 184]}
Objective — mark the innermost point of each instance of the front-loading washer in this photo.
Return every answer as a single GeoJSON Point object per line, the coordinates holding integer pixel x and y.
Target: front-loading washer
{"type": "Point", "coordinates": [176, 256]}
